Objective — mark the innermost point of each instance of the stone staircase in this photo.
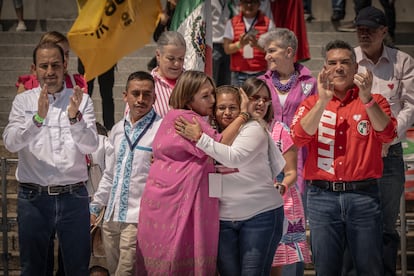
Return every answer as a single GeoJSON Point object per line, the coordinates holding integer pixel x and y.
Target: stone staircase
{"type": "Point", "coordinates": [16, 58]}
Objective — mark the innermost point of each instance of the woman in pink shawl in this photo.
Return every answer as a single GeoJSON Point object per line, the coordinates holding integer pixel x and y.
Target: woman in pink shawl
{"type": "Point", "coordinates": [178, 221]}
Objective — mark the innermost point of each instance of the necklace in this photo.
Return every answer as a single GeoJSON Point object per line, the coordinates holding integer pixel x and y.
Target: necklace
{"type": "Point", "coordinates": [284, 88]}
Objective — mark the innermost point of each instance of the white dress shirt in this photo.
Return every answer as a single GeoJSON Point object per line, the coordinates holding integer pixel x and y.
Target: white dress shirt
{"type": "Point", "coordinates": [53, 154]}
{"type": "Point", "coordinates": [393, 78]}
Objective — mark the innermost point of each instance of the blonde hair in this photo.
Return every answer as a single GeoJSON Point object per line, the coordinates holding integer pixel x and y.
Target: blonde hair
{"type": "Point", "coordinates": [188, 84]}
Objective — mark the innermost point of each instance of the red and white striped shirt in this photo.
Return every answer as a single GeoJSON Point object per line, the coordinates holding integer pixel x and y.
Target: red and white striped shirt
{"type": "Point", "coordinates": [163, 89]}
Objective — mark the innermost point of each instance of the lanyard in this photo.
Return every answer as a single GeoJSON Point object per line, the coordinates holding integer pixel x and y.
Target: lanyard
{"type": "Point", "coordinates": [252, 25]}
{"type": "Point", "coordinates": [132, 146]}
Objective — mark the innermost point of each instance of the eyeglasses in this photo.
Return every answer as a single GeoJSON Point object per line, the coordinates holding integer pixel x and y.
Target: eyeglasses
{"type": "Point", "coordinates": [257, 99]}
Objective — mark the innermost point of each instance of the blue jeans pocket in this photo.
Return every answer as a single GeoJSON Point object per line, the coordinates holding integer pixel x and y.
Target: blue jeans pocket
{"type": "Point", "coordinates": [27, 194]}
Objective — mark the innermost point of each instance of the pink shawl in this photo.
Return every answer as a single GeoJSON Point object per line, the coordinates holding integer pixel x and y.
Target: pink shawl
{"type": "Point", "coordinates": [178, 222]}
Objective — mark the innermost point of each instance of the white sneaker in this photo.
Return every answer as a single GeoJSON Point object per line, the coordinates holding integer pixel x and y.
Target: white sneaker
{"type": "Point", "coordinates": [21, 27]}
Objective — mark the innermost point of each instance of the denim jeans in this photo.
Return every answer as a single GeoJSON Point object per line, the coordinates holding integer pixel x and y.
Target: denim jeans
{"type": "Point", "coordinates": [339, 219]}
{"type": "Point", "coordinates": [295, 269]}
{"type": "Point", "coordinates": [247, 247]}
{"type": "Point", "coordinates": [391, 188]}
{"type": "Point", "coordinates": [389, 9]}
{"type": "Point", "coordinates": [40, 216]}
{"type": "Point", "coordinates": [360, 4]}
{"type": "Point", "coordinates": [307, 6]}
{"type": "Point", "coordinates": [338, 5]}
{"type": "Point", "coordinates": [238, 78]}
{"type": "Point", "coordinates": [221, 65]}
{"type": "Point", "coordinates": [17, 4]}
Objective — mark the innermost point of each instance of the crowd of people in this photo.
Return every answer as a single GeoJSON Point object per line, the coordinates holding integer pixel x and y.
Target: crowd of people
{"type": "Point", "coordinates": [219, 175]}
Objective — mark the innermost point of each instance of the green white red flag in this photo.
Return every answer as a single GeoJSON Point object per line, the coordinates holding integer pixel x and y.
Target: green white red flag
{"type": "Point", "coordinates": [192, 18]}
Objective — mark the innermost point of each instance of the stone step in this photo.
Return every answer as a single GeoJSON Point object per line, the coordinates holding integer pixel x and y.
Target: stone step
{"type": "Point", "coordinates": [26, 50]}
{"type": "Point", "coordinates": [128, 64]}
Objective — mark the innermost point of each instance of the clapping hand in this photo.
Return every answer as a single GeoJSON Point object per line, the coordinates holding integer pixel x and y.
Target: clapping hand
{"type": "Point", "coordinates": [364, 83]}
{"type": "Point", "coordinates": [326, 85]}
{"type": "Point", "coordinates": [75, 101]}
{"type": "Point", "coordinates": [43, 102]}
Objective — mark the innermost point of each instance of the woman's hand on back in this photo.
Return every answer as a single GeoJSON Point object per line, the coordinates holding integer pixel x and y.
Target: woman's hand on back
{"type": "Point", "coordinates": [188, 130]}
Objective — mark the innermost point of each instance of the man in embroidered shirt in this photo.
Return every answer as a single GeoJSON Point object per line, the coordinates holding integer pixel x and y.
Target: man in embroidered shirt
{"type": "Point", "coordinates": [393, 77]}
{"type": "Point", "coordinates": [128, 159]}
{"type": "Point", "coordinates": [52, 128]}
{"type": "Point", "coordinates": [344, 127]}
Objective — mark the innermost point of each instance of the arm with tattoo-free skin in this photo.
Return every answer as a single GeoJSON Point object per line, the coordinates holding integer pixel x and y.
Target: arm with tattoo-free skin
{"type": "Point", "coordinates": [310, 121]}
{"type": "Point", "coordinates": [290, 169]}
{"type": "Point", "coordinates": [379, 119]}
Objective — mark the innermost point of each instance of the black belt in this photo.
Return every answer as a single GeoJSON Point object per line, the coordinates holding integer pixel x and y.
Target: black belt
{"type": "Point", "coordinates": [344, 186]}
{"type": "Point", "coordinates": [55, 189]}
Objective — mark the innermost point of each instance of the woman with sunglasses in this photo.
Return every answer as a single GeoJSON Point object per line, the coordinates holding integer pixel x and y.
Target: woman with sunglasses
{"type": "Point", "coordinates": [251, 209]}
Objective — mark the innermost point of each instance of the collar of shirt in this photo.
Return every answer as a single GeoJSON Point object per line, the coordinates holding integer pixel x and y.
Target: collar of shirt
{"type": "Point", "coordinates": [157, 77]}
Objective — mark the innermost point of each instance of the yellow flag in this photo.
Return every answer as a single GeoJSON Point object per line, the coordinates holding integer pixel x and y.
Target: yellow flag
{"type": "Point", "coordinates": [107, 30]}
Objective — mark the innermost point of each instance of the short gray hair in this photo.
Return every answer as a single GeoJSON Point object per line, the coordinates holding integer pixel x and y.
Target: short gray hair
{"type": "Point", "coordinates": [170, 38]}
{"type": "Point", "coordinates": [282, 36]}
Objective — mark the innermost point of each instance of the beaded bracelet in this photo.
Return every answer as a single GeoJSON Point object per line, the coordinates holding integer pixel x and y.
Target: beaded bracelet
{"type": "Point", "coordinates": [245, 116]}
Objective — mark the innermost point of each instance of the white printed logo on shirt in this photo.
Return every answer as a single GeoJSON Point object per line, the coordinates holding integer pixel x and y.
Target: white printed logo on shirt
{"type": "Point", "coordinates": [306, 87]}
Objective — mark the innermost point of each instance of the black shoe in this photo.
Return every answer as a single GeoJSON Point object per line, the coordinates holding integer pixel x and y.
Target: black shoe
{"type": "Point", "coordinates": [337, 15]}
{"type": "Point", "coordinates": [308, 17]}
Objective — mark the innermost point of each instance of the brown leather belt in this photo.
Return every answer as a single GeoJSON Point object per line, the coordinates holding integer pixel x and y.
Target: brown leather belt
{"type": "Point", "coordinates": [53, 190]}
{"type": "Point", "coordinates": [344, 186]}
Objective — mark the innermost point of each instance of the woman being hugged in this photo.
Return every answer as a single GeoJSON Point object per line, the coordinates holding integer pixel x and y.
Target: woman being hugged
{"type": "Point", "coordinates": [178, 221]}
{"type": "Point", "coordinates": [251, 209]}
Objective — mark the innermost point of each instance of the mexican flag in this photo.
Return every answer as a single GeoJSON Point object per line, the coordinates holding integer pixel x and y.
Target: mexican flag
{"type": "Point", "coordinates": [192, 18]}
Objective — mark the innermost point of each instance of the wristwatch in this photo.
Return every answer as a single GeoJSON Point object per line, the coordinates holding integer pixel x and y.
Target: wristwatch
{"type": "Point", "coordinates": [76, 119]}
